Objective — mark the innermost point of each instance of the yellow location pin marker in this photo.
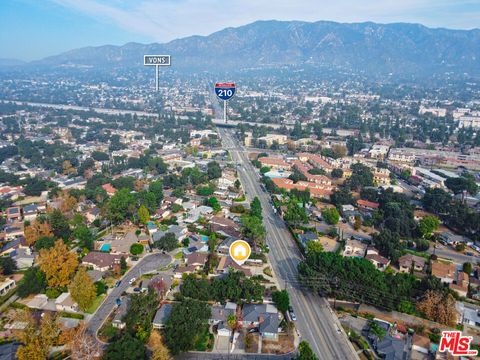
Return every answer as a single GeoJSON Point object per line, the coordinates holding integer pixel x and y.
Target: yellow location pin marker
{"type": "Point", "coordinates": [240, 251]}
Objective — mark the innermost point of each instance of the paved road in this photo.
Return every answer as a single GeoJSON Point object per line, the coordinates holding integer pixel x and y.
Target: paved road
{"type": "Point", "coordinates": [213, 356]}
{"type": "Point", "coordinates": [147, 264]}
{"type": "Point", "coordinates": [316, 321]}
{"type": "Point", "coordinates": [457, 257]}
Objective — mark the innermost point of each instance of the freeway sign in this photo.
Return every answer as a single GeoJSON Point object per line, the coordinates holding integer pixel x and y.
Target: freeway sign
{"type": "Point", "coordinates": [225, 91]}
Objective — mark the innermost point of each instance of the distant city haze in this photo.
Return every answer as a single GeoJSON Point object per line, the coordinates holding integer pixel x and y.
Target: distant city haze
{"type": "Point", "coordinates": [31, 30]}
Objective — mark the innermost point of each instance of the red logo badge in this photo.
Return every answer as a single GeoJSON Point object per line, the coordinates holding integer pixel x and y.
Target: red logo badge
{"type": "Point", "coordinates": [456, 344]}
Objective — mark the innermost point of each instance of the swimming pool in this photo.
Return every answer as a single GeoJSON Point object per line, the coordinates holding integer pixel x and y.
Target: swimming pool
{"type": "Point", "coordinates": [204, 238]}
{"type": "Point", "coordinates": [105, 247]}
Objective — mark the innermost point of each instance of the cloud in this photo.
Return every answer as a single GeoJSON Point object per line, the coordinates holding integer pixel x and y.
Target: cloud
{"type": "Point", "coordinates": [164, 20]}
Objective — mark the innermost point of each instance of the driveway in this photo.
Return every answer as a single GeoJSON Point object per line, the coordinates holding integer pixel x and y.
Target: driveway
{"type": "Point", "coordinates": [148, 263]}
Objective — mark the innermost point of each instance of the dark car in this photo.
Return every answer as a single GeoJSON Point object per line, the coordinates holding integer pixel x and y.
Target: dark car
{"type": "Point", "coordinates": [117, 284]}
{"type": "Point", "coordinates": [118, 302]}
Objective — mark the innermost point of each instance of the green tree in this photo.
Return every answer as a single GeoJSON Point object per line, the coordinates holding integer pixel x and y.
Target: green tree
{"type": "Point", "coordinates": [314, 247]}
{"type": "Point", "coordinates": [281, 300]}
{"type": "Point", "coordinates": [388, 244]}
{"type": "Point", "coordinates": [45, 242]}
{"type": "Point", "coordinates": [33, 282]}
{"type": "Point", "coordinates": [125, 347]}
{"type": "Point", "coordinates": [214, 171]}
{"type": "Point", "coordinates": [136, 249]}
{"type": "Point", "coordinates": [84, 236]}
{"type": "Point", "coordinates": [252, 228]}
{"type": "Point", "coordinates": [337, 173]}
{"type": "Point", "coordinates": [140, 313]}
{"type": "Point", "coordinates": [123, 265]}
{"type": "Point", "coordinates": [305, 352]}
{"type": "Point", "coordinates": [214, 204]}
{"type": "Point", "coordinates": [59, 224]}
{"type": "Point", "coordinates": [467, 268]}
{"type": "Point", "coordinates": [436, 201]}
{"type": "Point", "coordinates": [428, 225]}
{"type": "Point", "coordinates": [187, 321]}
{"type": "Point", "coordinates": [7, 265]}
{"type": "Point", "coordinates": [156, 187]}
{"type": "Point", "coordinates": [167, 242]}
{"type": "Point", "coordinates": [463, 183]}
{"type": "Point", "coordinates": [121, 206]}
{"type": "Point", "coordinates": [256, 208]}
{"type": "Point", "coordinates": [237, 184]}
{"type": "Point", "coordinates": [331, 216]}
{"type": "Point", "coordinates": [148, 199]}
{"type": "Point", "coordinates": [295, 214]}
{"type": "Point", "coordinates": [143, 215]}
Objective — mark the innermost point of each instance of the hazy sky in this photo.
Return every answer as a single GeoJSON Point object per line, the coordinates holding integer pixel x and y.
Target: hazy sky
{"type": "Point", "coordinates": [32, 29]}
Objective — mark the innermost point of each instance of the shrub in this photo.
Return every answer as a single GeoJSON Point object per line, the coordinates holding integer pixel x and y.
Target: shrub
{"type": "Point", "coordinates": [53, 293]}
{"type": "Point", "coordinates": [136, 249]}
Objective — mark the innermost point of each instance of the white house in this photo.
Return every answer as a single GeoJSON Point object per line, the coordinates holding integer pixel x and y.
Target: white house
{"type": "Point", "coordinates": [65, 303]}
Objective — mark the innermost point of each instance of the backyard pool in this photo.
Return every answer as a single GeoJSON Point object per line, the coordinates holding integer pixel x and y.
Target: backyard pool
{"type": "Point", "coordinates": [204, 238]}
{"type": "Point", "coordinates": [105, 247]}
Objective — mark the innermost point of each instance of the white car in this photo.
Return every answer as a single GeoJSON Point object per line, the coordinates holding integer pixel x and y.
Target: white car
{"type": "Point", "coordinates": [132, 280]}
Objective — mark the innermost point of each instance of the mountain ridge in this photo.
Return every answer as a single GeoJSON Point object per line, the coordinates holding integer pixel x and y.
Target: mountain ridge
{"type": "Point", "coordinates": [370, 48]}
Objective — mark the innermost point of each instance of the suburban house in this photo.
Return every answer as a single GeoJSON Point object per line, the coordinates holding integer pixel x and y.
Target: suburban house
{"type": "Point", "coordinates": [161, 316]}
{"type": "Point", "coordinates": [354, 248]}
{"type": "Point", "coordinates": [461, 284]}
{"type": "Point", "coordinates": [409, 262]}
{"type": "Point", "coordinates": [121, 311]}
{"type": "Point", "coordinates": [109, 189]}
{"type": "Point", "coordinates": [6, 286]}
{"type": "Point", "coordinates": [378, 261]}
{"type": "Point", "coordinates": [190, 269]}
{"type": "Point", "coordinates": [65, 303]}
{"type": "Point", "coordinates": [201, 211]}
{"type": "Point", "coordinates": [196, 259]}
{"type": "Point", "coordinates": [92, 214]}
{"type": "Point", "coordinates": [263, 316]}
{"type": "Point", "coordinates": [366, 205]}
{"type": "Point", "coordinates": [444, 271]}
{"type": "Point", "coordinates": [225, 263]}
{"type": "Point", "coordinates": [30, 212]}
{"type": "Point", "coordinates": [219, 317]}
{"type": "Point", "coordinates": [100, 260]}
{"type": "Point", "coordinates": [224, 226]}
{"type": "Point", "coordinates": [14, 213]}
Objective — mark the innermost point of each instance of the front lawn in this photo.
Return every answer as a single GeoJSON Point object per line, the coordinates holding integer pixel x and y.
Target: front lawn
{"type": "Point", "coordinates": [96, 303]}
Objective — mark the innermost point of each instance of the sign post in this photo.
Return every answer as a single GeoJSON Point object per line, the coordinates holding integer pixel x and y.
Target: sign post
{"type": "Point", "coordinates": [225, 91]}
{"type": "Point", "coordinates": [156, 60]}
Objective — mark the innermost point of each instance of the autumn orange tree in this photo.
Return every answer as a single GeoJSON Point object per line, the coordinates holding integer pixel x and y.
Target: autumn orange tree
{"type": "Point", "coordinates": [158, 347]}
{"type": "Point", "coordinates": [82, 289]}
{"type": "Point", "coordinates": [36, 230]}
{"type": "Point", "coordinates": [58, 264]}
{"type": "Point", "coordinates": [36, 339]}
{"type": "Point", "coordinates": [68, 202]}
{"type": "Point", "coordinates": [439, 307]}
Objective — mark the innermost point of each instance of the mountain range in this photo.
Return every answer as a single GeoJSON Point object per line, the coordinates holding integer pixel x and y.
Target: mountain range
{"type": "Point", "coordinates": [371, 49]}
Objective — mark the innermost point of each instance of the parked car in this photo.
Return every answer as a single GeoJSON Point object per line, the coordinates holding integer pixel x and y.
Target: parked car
{"type": "Point", "coordinates": [118, 302]}
{"type": "Point", "coordinates": [292, 314]}
{"type": "Point", "coordinates": [132, 280]}
{"type": "Point", "coordinates": [117, 284]}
